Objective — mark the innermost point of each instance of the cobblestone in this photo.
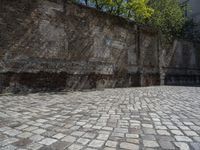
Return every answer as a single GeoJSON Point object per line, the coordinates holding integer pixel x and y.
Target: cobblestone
{"type": "Point", "coordinates": [129, 146]}
{"type": "Point", "coordinates": [148, 118]}
{"type": "Point", "coordinates": [70, 139]}
{"type": "Point", "coordinates": [166, 145]}
{"type": "Point", "coordinates": [96, 143]}
{"type": "Point", "coordinates": [59, 136]}
{"type": "Point", "coordinates": [47, 141]}
{"type": "Point", "coordinates": [25, 135]}
{"type": "Point", "coordinates": [111, 143]}
{"type": "Point", "coordinates": [182, 146]}
{"type": "Point", "coordinates": [148, 143]}
{"type": "Point", "coordinates": [83, 141]}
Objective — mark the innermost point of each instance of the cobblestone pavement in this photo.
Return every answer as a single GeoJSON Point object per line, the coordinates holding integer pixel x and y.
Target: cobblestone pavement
{"type": "Point", "coordinates": [132, 118]}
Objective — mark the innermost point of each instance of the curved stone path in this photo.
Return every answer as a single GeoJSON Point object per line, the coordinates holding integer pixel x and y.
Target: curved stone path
{"type": "Point", "coordinates": [130, 118]}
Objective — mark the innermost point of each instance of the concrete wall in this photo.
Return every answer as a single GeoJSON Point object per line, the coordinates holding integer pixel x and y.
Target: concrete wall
{"type": "Point", "coordinates": [45, 46]}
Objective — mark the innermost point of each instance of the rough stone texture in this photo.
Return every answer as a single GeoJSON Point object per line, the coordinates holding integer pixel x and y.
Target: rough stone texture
{"type": "Point", "coordinates": [45, 46]}
{"type": "Point", "coordinates": [81, 120]}
{"type": "Point", "coordinates": [180, 65]}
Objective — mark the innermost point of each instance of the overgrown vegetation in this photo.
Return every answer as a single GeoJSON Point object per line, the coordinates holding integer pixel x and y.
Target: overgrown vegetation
{"type": "Point", "coordinates": [168, 17]}
{"type": "Point", "coordinates": [165, 15]}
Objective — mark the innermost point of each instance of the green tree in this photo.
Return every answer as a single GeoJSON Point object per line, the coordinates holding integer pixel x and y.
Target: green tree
{"type": "Point", "coordinates": [137, 10]}
{"type": "Point", "coordinates": [168, 16]}
{"type": "Point", "coordinates": [165, 15]}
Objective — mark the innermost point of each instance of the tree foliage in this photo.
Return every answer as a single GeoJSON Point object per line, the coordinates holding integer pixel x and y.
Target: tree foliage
{"type": "Point", "coordinates": [137, 10]}
{"type": "Point", "coordinates": [166, 15]}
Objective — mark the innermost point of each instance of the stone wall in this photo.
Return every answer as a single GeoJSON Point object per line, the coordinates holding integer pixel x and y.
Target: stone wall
{"type": "Point", "coordinates": [45, 46]}
{"type": "Point", "coordinates": [181, 64]}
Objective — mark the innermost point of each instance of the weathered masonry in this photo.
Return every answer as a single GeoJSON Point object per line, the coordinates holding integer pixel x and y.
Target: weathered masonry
{"type": "Point", "coordinates": [181, 64]}
{"type": "Point", "coordinates": [47, 46]}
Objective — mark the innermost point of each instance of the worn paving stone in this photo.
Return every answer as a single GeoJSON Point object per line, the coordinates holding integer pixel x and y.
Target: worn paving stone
{"type": "Point", "coordinates": [8, 141]}
{"type": "Point", "coordinates": [177, 132]}
{"type": "Point", "coordinates": [2, 129]}
{"type": "Point", "coordinates": [9, 147]}
{"type": "Point", "coordinates": [36, 138]}
{"type": "Point", "coordinates": [163, 132]}
{"type": "Point", "coordinates": [149, 131]}
{"type": "Point", "coordinates": [147, 125]}
{"type": "Point", "coordinates": [69, 139]}
{"type": "Point", "coordinates": [182, 145]}
{"type": "Point", "coordinates": [183, 139]}
{"type": "Point", "coordinates": [22, 127]}
{"type": "Point", "coordinates": [39, 131]}
{"type": "Point", "coordinates": [75, 147]}
{"type": "Point", "coordinates": [135, 141]}
{"type": "Point", "coordinates": [102, 136]}
{"type": "Point", "coordinates": [163, 117]}
{"type": "Point", "coordinates": [31, 128]}
{"type": "Point", "coordinates": [90, 148]}
{"type": "Point", "coordinates": [83, 141]}
{"type": "Point", "coordinates": [59, 136]}
{"type": "Point", "coordinates": [109, 148]}
{"type": "Point", "coordinates": [12, 132]}
{"type": "Point", "coordinates": [132, 136]}
{"type": "Point", "coordinates": [148, 143]}
{"type": "Point", "coordinates": [90, 135]}
{"type": "Point", "coordinates": [59, 145]}
{"type": "Point", "coordinates": [96, 143]}
{"type": "Point", "coordinates": [166, 145]}
{"type": "Point", "coordinates": [34, 146]}
{"type": "Point", "coordinates": [41, 120]}
{"type": "Point", "coordinates": [25, 135]}
{"type": "Point", "coordinates": [121, 130]}
{"type": "Point", "coordinates": [77, 133]}
{"type": "Point", "coordinates": [111, 143]}
{"type": "Point", "coordinates": [47, 133]}
{"type": "Point", "coordinates": [47, 141]}
{"type": "Point", "coordinates": [190, 133]}
{"type": "Point", "coordinates": [129, 146]}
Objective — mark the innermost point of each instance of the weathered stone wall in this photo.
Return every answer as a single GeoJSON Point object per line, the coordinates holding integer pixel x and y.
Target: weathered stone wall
{"type": "Point", "coordinates": [45, 46]}
{"type": "Point", "coordinates": [181, 64]}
